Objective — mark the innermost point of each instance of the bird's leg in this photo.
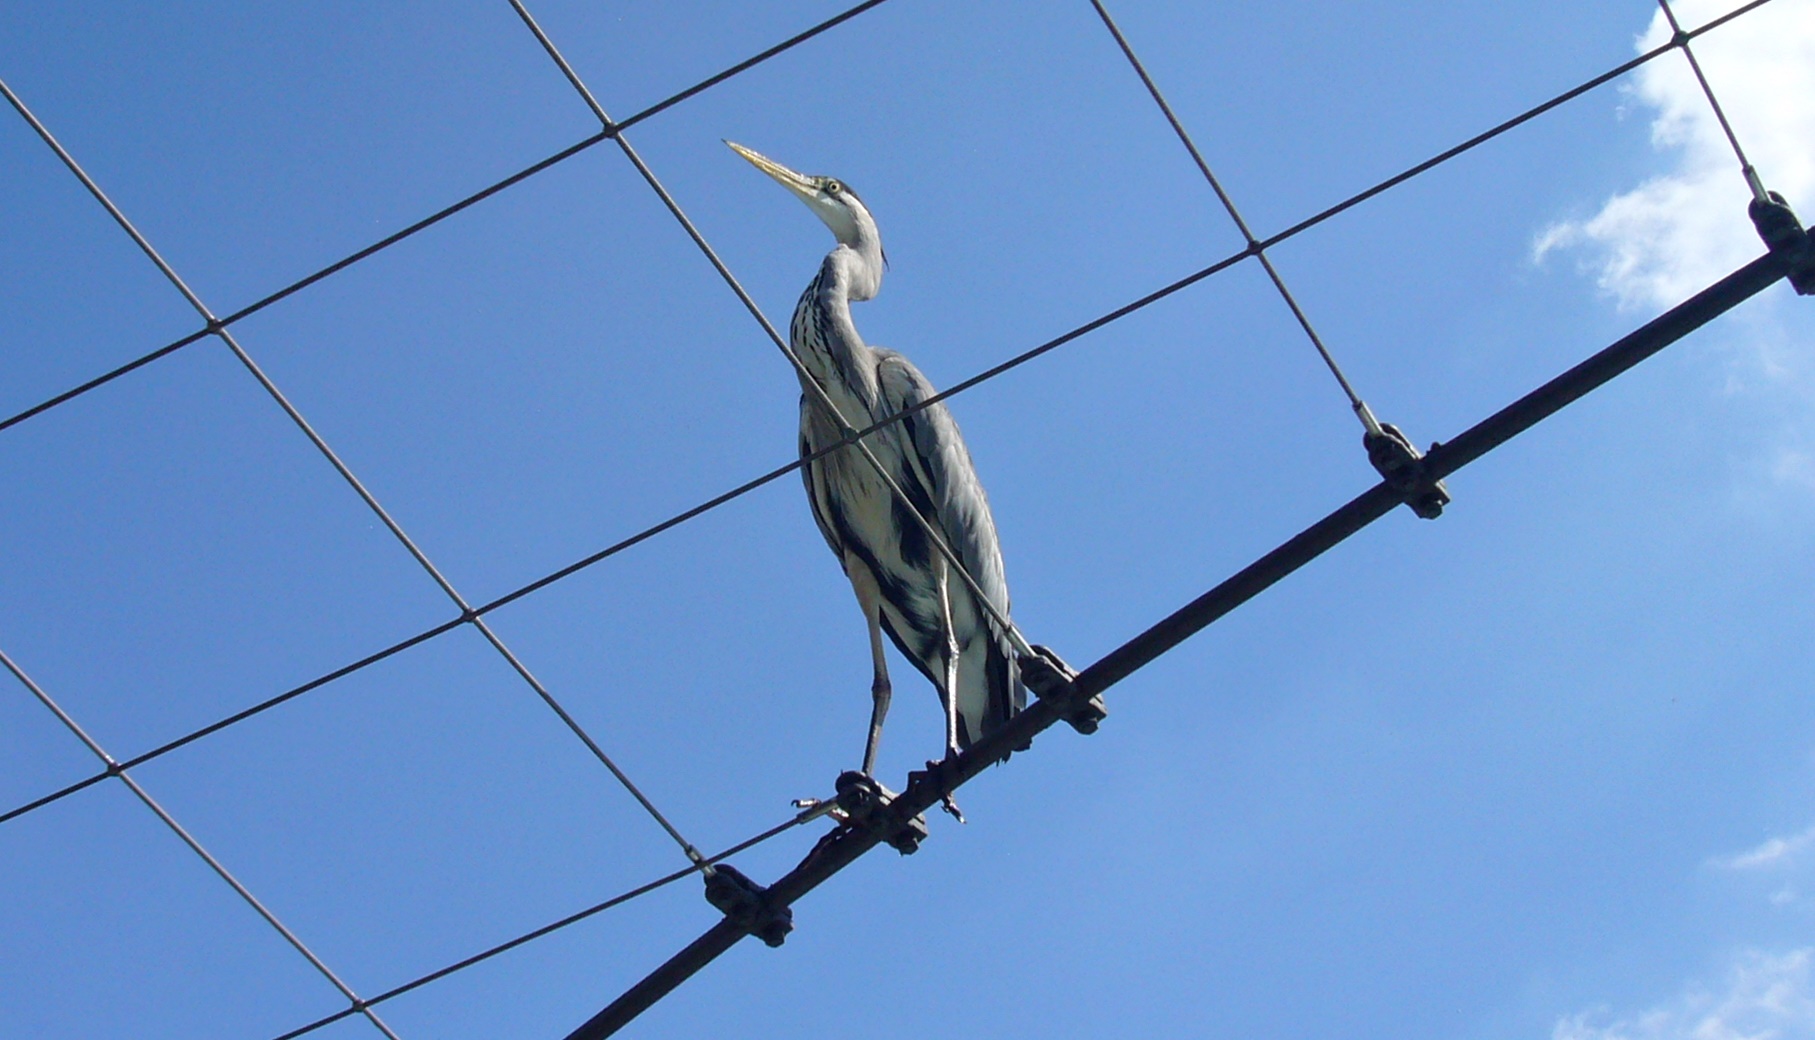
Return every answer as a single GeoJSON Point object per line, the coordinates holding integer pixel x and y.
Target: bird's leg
{"type": "Point", "coordinates": [948, 691]}
{"type": "Point", "coordinates": [880, 693]}
{"type": "Point", "coordinates": [869, 596]}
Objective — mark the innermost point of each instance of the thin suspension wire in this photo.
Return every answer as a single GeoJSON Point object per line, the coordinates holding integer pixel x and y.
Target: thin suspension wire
{"type": "Point", "coordinates": [554, 926]}
{"type": "Point", "coordinates": [1681, 38]}
{"type": "Point", "coordinates": [355, 1005]}
{"type": "Point", "coordinates": [115, 771]}
{"type": "Point", "coordinates": [442, 214]}
{"type": "Point", "coordinates": [1254, 245]}
{"type": "Point", "coordinates": [820, 396]}
{"type": "Point", "coordinates": [346, 473]}
{"type": "Point", "coordinates": [575, 149]}
{"type": "Point", "coordinates": [950, 391]}
{"type": "Point", "coordinates": [956, 388]}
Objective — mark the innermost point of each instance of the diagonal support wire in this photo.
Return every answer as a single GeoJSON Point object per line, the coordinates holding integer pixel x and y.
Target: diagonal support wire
{"type": "Point", "coordinates": [448, 211]}
{"type": "Point", "coordinates": [1454, 456]}
{"type": "Point", "coordinates": [804, 817]}
{"type": "Point", "coordinates": [1679, 38]}
{"type": "Point", "coordinates": [1255, 246]}
{"type": "Point", "coordinates": [799, 38]}
{"type": "Point", "coordinates": [844, 846]}
{"type": "Point", "coordinates": [466, 611]}
{"type": "Point", "coordinates": [355, 1005]}
{"type": "Point", "coordinates": [990, 373]}
{"type": "Point", "coordinates": [852, 439]}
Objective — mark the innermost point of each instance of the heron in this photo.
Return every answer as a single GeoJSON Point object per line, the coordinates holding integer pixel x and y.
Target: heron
{"type": "Point", "coordinates": [905, 586]}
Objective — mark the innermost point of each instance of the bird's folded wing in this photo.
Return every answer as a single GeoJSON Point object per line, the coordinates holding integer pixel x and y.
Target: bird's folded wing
{"type": "Point", "coordinates": [940, 463]}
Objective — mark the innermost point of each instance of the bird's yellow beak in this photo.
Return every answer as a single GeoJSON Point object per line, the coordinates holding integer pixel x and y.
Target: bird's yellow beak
{"type": "Point", "coordinates": [799, 183]}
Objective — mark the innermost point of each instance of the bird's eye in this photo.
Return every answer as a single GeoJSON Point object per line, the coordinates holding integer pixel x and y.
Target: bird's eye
{"type": "Point", "coordinates": [832, 186]}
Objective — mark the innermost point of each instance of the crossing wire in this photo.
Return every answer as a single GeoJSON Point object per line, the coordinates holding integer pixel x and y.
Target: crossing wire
{"type": "Point", "coordinates": [959, 387]}
{"type": "Point", "coordinates": [1255, 249]}
{"type": "Point", "coordinates": [1745, 165]}
{"type": "Point", "coordinates": [442, 214]}
{"type": "Point", "coordinates": [470, 614]}
{"type": "Point", "coordinates": [321, 445]}
{"type": "Point", "coordinates": [355, 1004]}
{"type": "Point", "coordinates": [844, 846]}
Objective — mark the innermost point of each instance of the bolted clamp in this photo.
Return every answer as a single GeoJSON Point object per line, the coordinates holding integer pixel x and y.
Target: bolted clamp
{"type": "Point", "coordinates": [1782, 232]}
{"type": "Point", "coordinates": [746, 904]}
{"type": "Point", "coordinates": [865, 804]}
{"type": "Point", "coordinates": [1402, 467]}
{"type": "Point", "coordinates": [1050, 677]}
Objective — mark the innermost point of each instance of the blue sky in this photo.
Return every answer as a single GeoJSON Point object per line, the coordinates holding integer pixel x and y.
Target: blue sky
{"type": "Point", "coordinates": [1542, 768]}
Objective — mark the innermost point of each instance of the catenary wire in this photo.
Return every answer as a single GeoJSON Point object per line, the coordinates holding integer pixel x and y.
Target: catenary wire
{"type": "Point", "coordinates": [555, 926]}
{"type": "Point", "coordinates": [845, 846]}
{"type": "Point", "coordinates": [213, 322]}
{"type": "Point", "coordinates": [956, 388]}
{"type": "Point", "coordinates": [442, 214]}
{"type": "Point", "coordinates": [435, 218]}
{"type": "Point", "coordinates": [321, 445]}
{"type": "Point", "coordinates": [997, 616]}
{"type": "Point", "coordinates": [355, 1004]}
{"type": "Point", "coordinates": [1746, 169]}
{"type": "Point", "coordinates": [1356, 404]}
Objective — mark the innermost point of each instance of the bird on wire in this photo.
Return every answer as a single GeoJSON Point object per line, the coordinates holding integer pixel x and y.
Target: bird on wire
{"type": "Point", "coordinates": [904, 584]}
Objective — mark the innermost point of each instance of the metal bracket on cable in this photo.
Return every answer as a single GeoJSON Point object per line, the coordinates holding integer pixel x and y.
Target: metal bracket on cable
{"type": "Point", "coordinates": [864, 804]}
{"type": "Point", "coordinates": [1782, 232]}
{"type": "Point", "coordinates": [747, 905]}
{"type": "Point", "coordinates": [1402, 466]}
{"type": "Point", "coordinates": [1050, 678]}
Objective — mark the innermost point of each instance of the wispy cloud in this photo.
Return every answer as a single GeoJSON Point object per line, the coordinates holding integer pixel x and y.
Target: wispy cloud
{"type": "Point", "coordinates": [1763, 997]}
{"type": "Point", "coordinates": [1776, 853]}
{"type": "Point", "coordinates": [1670, 236]}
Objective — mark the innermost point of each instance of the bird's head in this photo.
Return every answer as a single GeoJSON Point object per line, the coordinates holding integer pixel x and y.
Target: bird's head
{"type": "Point", "coordinates": [832, 201]}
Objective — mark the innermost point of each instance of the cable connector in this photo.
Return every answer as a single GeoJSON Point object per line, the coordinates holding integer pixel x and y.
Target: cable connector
{"type": "Point", "coordinates": [1782, 232]}
{"type": "Point", "coordinates": [865, 804]}
{"type": "Point", "coordinates": [1045, 673]}
{"type": "Point", "coordinates": [746, 904]}
{"type": "Point", "coordinates": [1402, 467]}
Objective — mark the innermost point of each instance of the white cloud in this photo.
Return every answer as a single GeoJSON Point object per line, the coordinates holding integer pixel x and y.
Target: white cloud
{"type": "Point", "coordinates": [1763, 997]}
{"type": "Point", "coordinates": [1672, 235]}
{"type": "Point", "coordinates": [1777, 852]}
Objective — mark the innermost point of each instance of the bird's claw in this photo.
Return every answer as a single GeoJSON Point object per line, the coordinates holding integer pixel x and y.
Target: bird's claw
{"type": "Point", "coordinates": [813, 808]}
{"type": "Point", "coordinates": [951, 806]}
{"type": "Point", "coordinates": [946, 801]}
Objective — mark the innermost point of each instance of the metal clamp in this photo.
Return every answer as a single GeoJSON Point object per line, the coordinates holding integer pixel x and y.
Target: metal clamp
{"type": "Point", "coordinates": [747, 905]}
{"type": "Point", "coordinates": [1782, 232]}
{"type": "Point", "coordinates": [865, 804]}
{"type": "Point", "coordinates": [1050, 678]}
{"type": "Point", "coordinates": [1402, 467]}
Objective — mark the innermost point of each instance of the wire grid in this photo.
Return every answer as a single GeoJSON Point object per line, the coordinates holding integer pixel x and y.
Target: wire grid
{"type": "Point", "coordinates": [474, 615]}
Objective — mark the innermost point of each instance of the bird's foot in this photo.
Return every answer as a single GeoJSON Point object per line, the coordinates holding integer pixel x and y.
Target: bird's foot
{"type": "Point", "coordinates": [946, 801]}
{"type": "Point", "coordinates": [813, 808]}
{"type": "Point", "coordinates": [951, 806]}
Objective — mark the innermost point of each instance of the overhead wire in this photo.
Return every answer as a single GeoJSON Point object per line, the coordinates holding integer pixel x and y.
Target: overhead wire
{"type": "Point", "coordinates": [574, 149]}
{"type": "Point", "coordinates": [1255, 248]}
{"type": "Point", "coordinates": [997, 615]}
{"type": "Point", "coordinates": [953, 390]}
{"type": "Point", "coordinates": [296, 417]}
{"type": "Point", "coordinates": [442, 214]}
{"type": "Point", "coordinates": [469, 614]}
{"type": "Point", "coordinates": [355, 1004]}
{"type": "Point", "coordinates": [554, 926]}
{"type": "Point", "coordinates": [1681, 38]}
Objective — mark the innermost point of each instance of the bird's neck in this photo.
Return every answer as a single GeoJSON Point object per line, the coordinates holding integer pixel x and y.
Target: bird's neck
{"type": "Point", "coordinates": [826, 338]}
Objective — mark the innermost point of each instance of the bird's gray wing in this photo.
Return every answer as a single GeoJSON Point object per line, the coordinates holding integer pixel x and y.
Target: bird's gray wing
{"type": "Point", "coordinates": [937, 460]}
{"type": "Point", "coordinates": [813, 475]}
